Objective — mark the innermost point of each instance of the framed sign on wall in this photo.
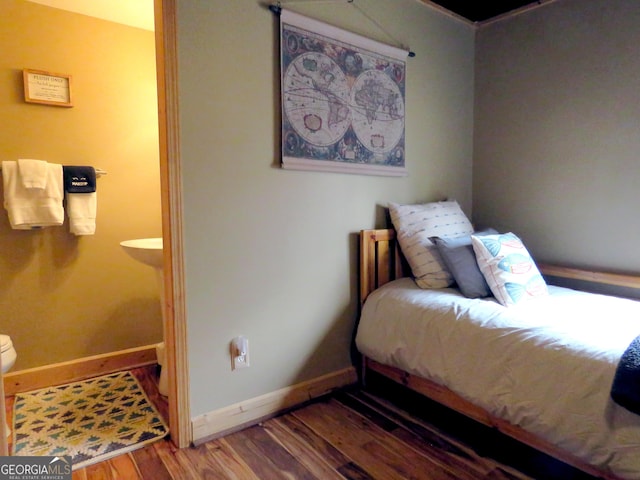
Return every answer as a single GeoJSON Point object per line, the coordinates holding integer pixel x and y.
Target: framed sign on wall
{"type": "Point", "coordinates": [47, 88]}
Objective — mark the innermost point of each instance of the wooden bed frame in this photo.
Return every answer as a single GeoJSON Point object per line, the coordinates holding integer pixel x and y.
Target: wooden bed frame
{"type": "Point", "coordinates": [381, 261]}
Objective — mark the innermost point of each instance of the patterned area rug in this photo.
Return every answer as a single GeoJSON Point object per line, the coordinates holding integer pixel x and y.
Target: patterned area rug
{"type": "Point", "coordinates": [91, 420]}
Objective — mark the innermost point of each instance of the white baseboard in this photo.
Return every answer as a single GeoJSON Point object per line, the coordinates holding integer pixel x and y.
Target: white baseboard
{"type": "Point", "coordinates": [240, 415]}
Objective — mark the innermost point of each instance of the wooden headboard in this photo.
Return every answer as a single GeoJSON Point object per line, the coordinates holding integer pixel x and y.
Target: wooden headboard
{"type": "Point", "coordinates": [382, 261]}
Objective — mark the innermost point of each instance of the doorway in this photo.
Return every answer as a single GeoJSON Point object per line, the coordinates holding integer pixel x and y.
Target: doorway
{"type": "Point", "coordinates": [176, 348]}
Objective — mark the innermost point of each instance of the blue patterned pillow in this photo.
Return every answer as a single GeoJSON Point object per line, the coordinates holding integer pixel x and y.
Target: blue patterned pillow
{"type": "Point", "coordinates": [509, 270]}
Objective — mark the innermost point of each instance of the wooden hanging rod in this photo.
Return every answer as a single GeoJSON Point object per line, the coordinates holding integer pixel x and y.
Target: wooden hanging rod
{"type": "Point", "coordinates": [277, 10]}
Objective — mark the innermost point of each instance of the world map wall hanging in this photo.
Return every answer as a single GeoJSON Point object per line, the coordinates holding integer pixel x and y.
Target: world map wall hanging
{"type": "Point", "coordinates": [343, 100]}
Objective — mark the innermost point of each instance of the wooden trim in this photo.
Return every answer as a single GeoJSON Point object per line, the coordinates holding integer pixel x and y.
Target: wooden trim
{"type": "Point", "coordinates": [430, 389]}
{"type": "Point", "coordinates": [249, 412]}
{"type": "Point", "coordinates": [483, 23]}
{"type": "Point", "coordinates": [451, 400]}
{"type": "Point", "coordinates": [4, 446]}
{"type": "Point", "coordinates": [606, 278]}
{"type": "Point", "coordinates": [513, 13]}
{"type": "Point", "coordinates": [80, 369]}
{"type": "Point", "coordinates": [448, 13]}
{"type": "Point", "coordinates": [175, 333]}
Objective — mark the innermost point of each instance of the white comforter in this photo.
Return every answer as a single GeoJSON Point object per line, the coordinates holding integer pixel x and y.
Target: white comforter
{"type": "Point", "coordinates": [546, 365]}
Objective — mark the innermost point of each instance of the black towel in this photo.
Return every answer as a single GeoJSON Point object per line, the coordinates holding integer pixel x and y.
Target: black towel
{"type": "Point", "coordinates": [626, 383]}
{"type": "Point", "coordinates": [79, 179]}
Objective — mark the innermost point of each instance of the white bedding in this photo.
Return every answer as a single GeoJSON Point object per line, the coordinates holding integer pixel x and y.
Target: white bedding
{"type": "Point", "coordinates": [546, 365]}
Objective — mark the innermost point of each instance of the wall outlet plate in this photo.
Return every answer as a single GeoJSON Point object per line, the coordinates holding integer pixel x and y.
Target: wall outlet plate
{"type": "Point", "coordinates": [241, 361]}
{"type": "Point", "coordinates": [239, 353]}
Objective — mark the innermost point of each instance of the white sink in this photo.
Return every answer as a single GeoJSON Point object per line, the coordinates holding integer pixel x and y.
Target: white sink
{"type": "Point", "coordinates": [145, 250]}
{"type": "Point", "coordinates": [149, 252]}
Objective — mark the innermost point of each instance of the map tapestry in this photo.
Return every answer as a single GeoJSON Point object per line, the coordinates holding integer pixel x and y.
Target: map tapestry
{"type": "Point", "coordinates": [343, 99]}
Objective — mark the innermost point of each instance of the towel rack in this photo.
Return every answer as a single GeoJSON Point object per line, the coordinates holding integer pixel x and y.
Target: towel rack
{"type": "Point", "coordinates": [99, 172]}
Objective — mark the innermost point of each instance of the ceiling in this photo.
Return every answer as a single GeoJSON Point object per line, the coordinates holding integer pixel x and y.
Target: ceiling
{"type": "Point", "coordinates": [134, 13]}
{"type": "Point", "coordinates": [483, 10]}
{"type": "Point", "coordinates": [139, 13]}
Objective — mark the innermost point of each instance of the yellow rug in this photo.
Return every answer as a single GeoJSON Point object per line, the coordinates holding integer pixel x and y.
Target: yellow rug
{"type": "Point", "coordinates": [90, 421]}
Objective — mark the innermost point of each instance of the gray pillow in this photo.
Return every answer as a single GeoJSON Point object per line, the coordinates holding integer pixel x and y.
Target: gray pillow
{"type": "Point", "coordinates": [458, 255]}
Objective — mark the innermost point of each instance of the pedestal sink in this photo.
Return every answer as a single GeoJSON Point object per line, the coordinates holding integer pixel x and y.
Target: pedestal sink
{"type": "Point", "coordinates": [148, 251]}
{"type": "Point", "coordinates": [145, 250]}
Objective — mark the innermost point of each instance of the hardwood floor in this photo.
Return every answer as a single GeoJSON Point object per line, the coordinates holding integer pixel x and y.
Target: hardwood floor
{"type": "Point", "coordinates": [353, 435]}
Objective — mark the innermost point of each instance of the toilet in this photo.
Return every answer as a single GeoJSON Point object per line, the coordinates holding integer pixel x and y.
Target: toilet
{"type": "Point", "coordinates": [8, 359]}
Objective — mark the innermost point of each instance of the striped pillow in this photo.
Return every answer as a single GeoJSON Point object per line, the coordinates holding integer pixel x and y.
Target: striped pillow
{"type": "Point", "coordinates": [415, 224]}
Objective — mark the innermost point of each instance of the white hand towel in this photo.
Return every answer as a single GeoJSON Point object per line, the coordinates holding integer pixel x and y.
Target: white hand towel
{"type": "Point", "coordinates": [30, 208]}
{"type": "Point", "coordinates": [33, 173]}
{"type": "Point", "coordinates": [82, 209]}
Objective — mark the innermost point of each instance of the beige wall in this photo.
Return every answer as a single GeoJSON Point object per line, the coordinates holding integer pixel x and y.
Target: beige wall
{"type": "Point", "coordinates": [63, 297]}
{"type": "Point", "coordinates": [557, 131]}
{"type": "Point", "coordinates": [272, 253]}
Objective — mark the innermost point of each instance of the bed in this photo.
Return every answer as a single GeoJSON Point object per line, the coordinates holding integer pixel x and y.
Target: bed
{"type": "Point", "coordinates": [542, 378]}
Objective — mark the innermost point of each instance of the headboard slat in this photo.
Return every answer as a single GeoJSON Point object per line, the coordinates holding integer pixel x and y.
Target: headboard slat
{"type": "Point", "coordinates": [383, 263]}
{"type": "Point", "coordinates": [380, 260]}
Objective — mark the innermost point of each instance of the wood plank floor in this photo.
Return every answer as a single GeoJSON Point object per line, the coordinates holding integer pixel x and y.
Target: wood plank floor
{"type": "Point", "coordinates": [352, 435]}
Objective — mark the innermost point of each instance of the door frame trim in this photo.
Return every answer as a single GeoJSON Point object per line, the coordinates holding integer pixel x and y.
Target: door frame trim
{"type": "Point", "coordinates": [171, 200]}
{"type": "Point", "coordinates": [4, 446]}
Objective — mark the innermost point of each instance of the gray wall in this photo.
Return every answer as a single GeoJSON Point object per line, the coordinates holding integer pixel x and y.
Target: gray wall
{"type": "Point", "coordinates": [557, 131]}
{"type": "Point", "coordinates": [271, 253]}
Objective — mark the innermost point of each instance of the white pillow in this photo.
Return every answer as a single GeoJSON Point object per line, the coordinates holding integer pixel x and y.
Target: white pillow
{"type": "Point", "coordinates": [414, 225]}
{"type": "Point", "coordinates": [509, 270]}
